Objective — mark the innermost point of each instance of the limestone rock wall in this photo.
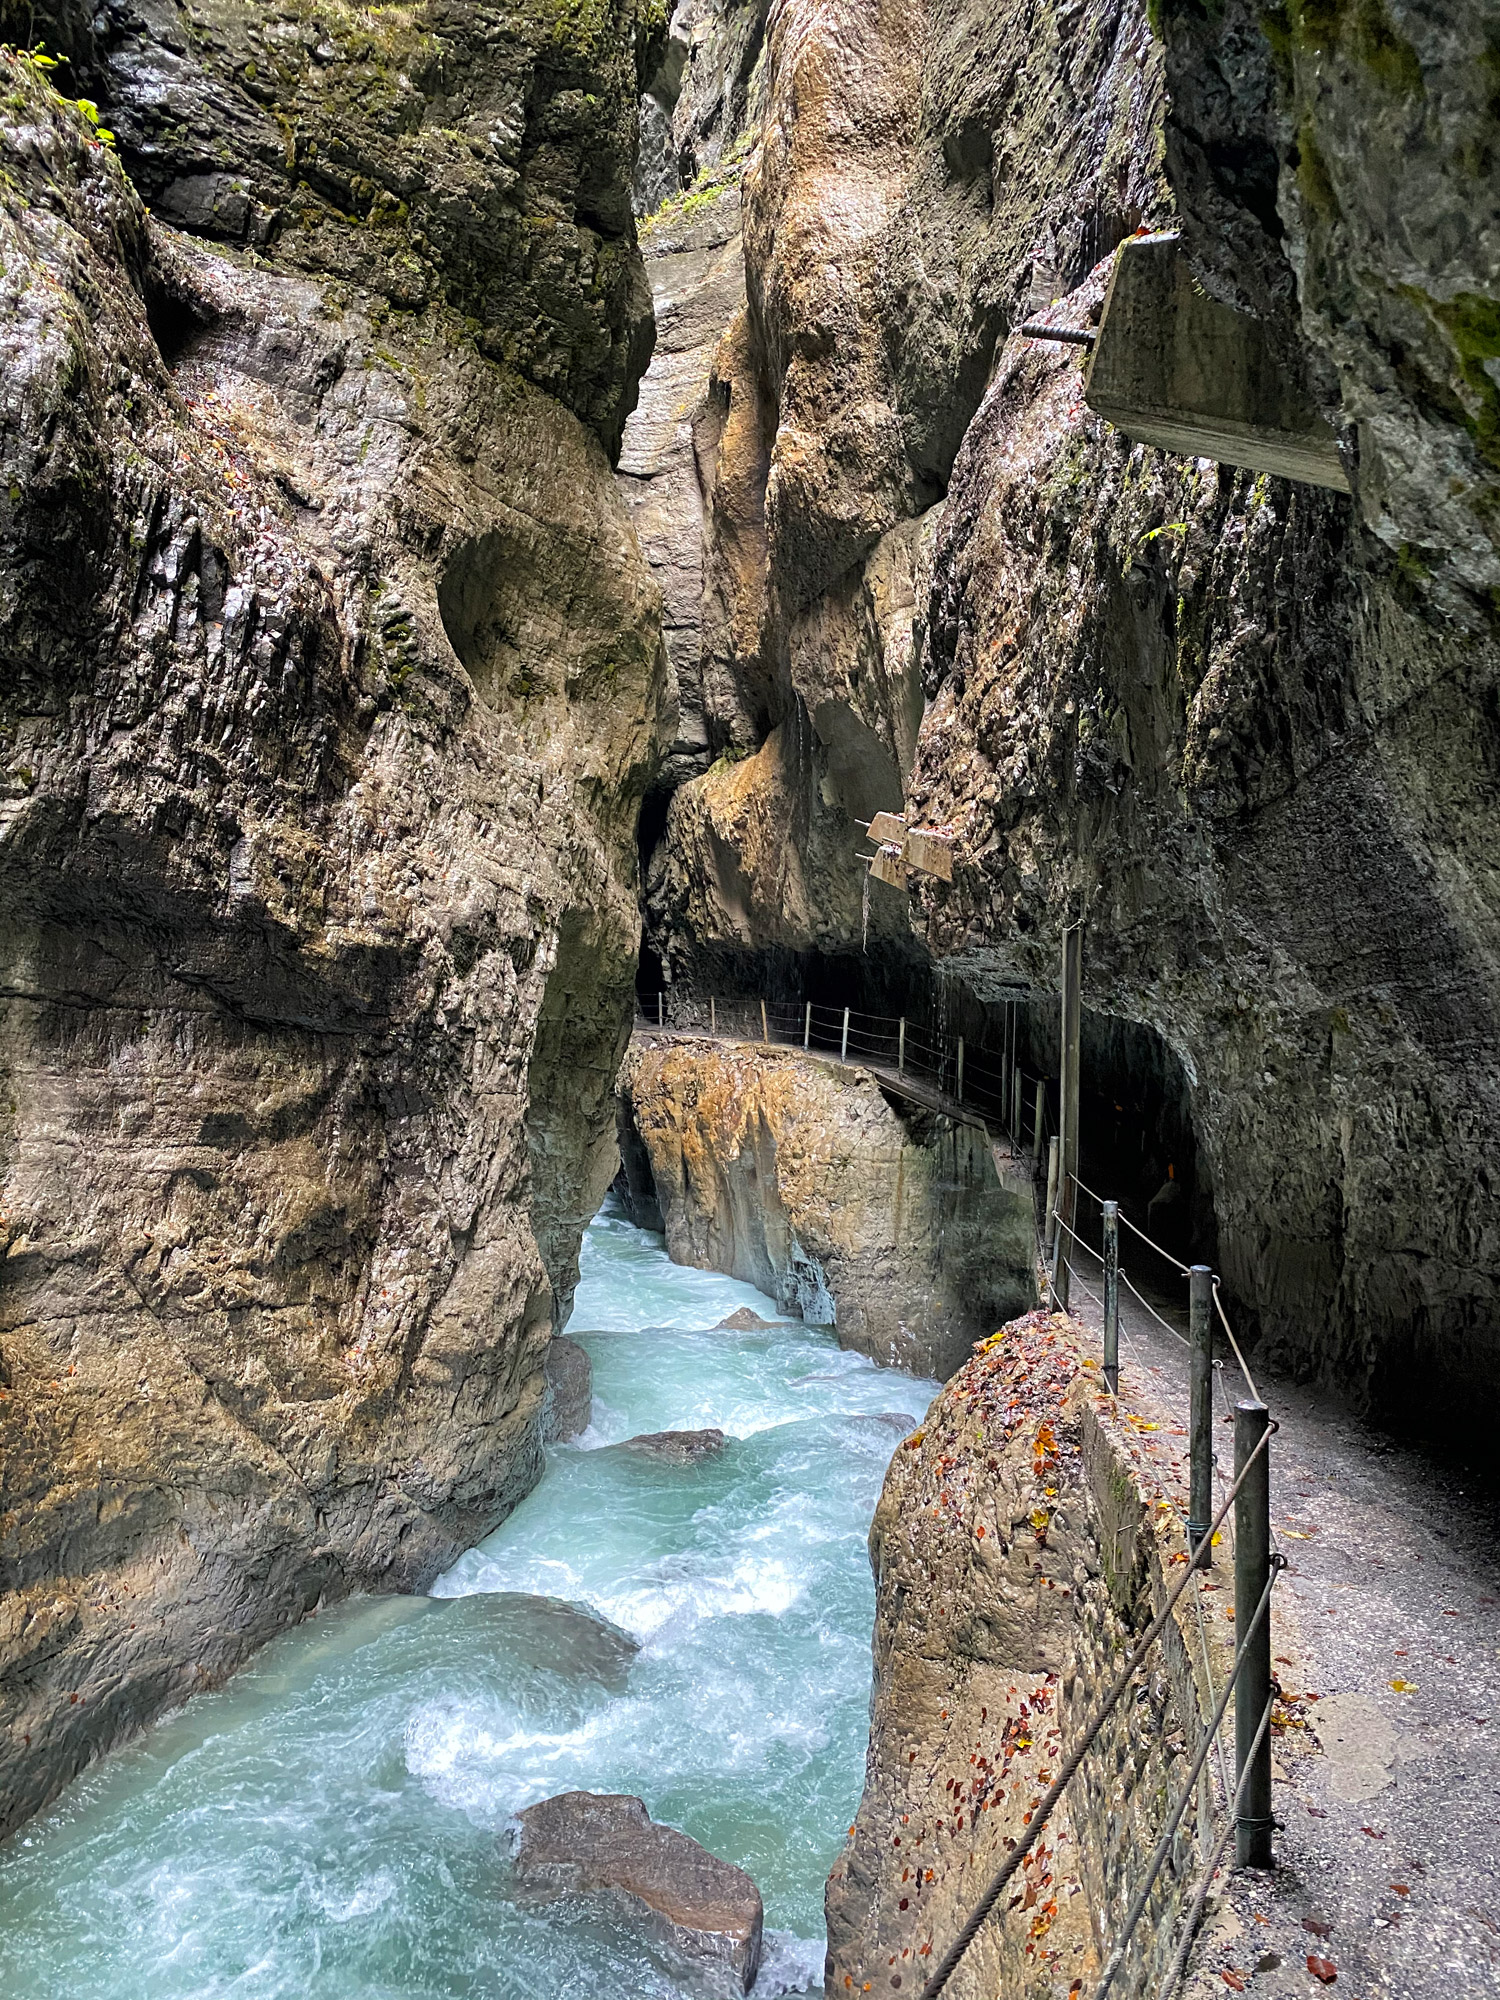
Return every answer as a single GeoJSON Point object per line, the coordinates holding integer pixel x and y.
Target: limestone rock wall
{"type": "Point", "coordinates": [1020, 1547]}
{"type": "Point", "coordinates": [332, 684]}
{"type": "Point", "coordinates": [1335, 169]}
{"type": "Point", "coordinates": [1246, 731]}
{"type": "Point", "coordinates": [807, 1180]}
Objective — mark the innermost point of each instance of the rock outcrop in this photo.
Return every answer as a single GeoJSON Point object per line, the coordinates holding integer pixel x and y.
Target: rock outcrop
{"type": "Point", "coordinates": [1022, 1541]}
{"type": "Point", "coordinates": [848, 1206]}
{"type": "Point", "coordinates": [703, 1910]}
{"type": "Point", "coordinates": [332, 678]}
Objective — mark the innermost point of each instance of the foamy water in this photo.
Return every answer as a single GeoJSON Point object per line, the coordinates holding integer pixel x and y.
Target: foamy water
{"type": "Point", "coordinates": [334, 1823]}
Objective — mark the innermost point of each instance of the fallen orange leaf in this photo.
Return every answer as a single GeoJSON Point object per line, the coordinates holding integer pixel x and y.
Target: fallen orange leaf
{"type": "Point", "coordinates": [1322, 1968]}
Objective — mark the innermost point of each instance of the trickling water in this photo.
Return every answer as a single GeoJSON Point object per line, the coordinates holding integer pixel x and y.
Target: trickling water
{"type": "Point", "coordinates": [333, 1823]}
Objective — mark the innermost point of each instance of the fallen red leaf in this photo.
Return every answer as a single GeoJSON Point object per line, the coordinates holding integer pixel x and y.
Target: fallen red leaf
{"type": "Point", "coordinates": [1401, 1888]}
{"type": "Point", "coordinates": [1322, 1968]}
{"type": "Point", "coordinates": [1317, 1926]}
{"type": "Point", "coordinates": [1373, 1832]}
{"type": "Point", "coordinates": [1233, 1980]}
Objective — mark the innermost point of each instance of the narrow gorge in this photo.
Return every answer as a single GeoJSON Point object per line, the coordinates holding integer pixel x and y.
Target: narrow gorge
{"type": "Point", "coordinates": [591, 605]}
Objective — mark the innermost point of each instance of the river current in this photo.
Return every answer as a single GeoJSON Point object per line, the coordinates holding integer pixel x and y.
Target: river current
{"type": "Point", "coordinates": [333, 1823]}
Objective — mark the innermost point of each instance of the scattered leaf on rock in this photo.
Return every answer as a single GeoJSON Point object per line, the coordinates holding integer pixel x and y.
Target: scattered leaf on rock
{"type": "Point", "coordinates": [1322, 1968]}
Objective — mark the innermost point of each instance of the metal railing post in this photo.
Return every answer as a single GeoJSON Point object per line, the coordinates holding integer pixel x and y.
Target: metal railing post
{"type": "Point", "coordinates": [1252, 1570]}
{"type": "Point", "coordinates": [807, 1027]}
{"type": "Point", "coordinates": [1050, 1236]}
{"type": "Point", "coordinates": [661, 1008]}
{"type": "Point", "coordinates": [1201, 1414]}
{"type": "Point", "coordinates": [1112, 1296]}
{"type": "Point", "coordinates": [901, 1049]}
{"type": "Point", "coordinates": [1015, 1108]}
{"type": "Point", "coordinates": [844, 1045]}
{"type": "Point", "coordinates": [765, 1033]}
{"type": "Point", "coordinates": [1069, 1087]}
{"type": "Point", "coordinates": [1038, 1114]}
{"type": "Point", "coordinates": [713, 1015]}
{"type": "Point", "coordinates": [959, 1093]}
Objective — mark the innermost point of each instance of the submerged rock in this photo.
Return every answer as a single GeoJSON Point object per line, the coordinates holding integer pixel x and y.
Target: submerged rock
{"type": "Point", "coordinates": [704, 1909]}
{"type": "Point", "coordinates": [743, 1320]}
{"type": "Point", "coordinates": [548, 1634]}
{"type": "Point", "coordinates": [678, 1447]}
{"type": "Point", "coordinates": [570, 1390]}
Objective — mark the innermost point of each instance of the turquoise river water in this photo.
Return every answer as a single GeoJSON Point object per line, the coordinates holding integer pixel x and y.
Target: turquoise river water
{"type": "Point", "coordinates": [333, 1824]}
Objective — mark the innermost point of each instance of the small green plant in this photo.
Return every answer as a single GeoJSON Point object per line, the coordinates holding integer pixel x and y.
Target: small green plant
{"type": "Point", "coordinates": [44, 64]}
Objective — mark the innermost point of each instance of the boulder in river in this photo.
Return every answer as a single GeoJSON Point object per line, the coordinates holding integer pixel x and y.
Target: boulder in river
{"type": "Point", "coordinates": [547, 1635]}
{"type": "Point", "coordinates": [678, 1447]}
{"type": "Point", "coordinates": [744, 1320]}
{"type": "Point", "coordinates": [570, 1390]}
{"type": "Point", "coordinates": [705, 1910]}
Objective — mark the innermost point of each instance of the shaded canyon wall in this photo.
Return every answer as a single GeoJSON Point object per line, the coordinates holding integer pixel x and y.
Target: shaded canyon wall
{"type": "Point", "coordinates": [330, 685]}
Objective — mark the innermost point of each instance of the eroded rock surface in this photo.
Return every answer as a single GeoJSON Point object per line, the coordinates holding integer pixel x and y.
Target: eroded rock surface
{"type": "Point", "coordinates": [677, 1447]}
{"type": "Point", "coordinates": [1021, 1544]}
{"type": "Point", "coordinates": [331, 690]}
{"type": "Point", "coordinates": [849, 1208]}
{"type": "Point", "coordinates": [704, 1910]}
{"type": "Point", "coordinates": [1246, 731]}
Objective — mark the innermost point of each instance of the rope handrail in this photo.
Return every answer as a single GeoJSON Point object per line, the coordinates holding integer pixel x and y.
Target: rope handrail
{"type": "Point", "coordinates": [996, 1886]}
{"type": "Point", "coordinates": [1244, 1369]}
{"type": "Point", "coordinates": [1160, 1250]}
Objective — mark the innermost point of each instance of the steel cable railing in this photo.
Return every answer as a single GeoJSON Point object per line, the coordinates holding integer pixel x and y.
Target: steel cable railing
{"type": "Point", "coordinates": [897, 1046]}
{"type": "Point", "coordinates": [1042, 1812]}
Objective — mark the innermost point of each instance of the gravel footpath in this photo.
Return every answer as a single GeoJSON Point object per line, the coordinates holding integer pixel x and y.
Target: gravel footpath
{"type": "Point", "coordinates": [1388, 1857]}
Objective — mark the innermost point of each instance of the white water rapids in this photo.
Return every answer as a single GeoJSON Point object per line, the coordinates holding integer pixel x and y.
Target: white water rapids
{"type": "Point", "coordinates": [333, 1823]}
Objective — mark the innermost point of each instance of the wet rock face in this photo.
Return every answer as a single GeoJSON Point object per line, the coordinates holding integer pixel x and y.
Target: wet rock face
{"type": "Point", "coordinates": [1203, 712]}
{"type": "Point", "coordinates": [783, 1171]}
{"type": "Point", "coordinates": [1335, 169]}
{"type": "Point", "coordinates": [703, 1909]}
{"type": "Point", "coordinates": [443, 154]}
{"type": "Point", "coordinates": [332, 674]}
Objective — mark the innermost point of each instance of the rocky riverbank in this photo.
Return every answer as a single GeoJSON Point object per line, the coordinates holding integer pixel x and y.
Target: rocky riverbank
{"type": "Point", "coordinates": [846, 1204]}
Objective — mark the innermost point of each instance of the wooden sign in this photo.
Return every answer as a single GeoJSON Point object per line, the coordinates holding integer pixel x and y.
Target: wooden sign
{"type": "Point", "coordinates": [887, 866]}
{"type": "Point", "coordinates": [887, 826]}
{"type": "Point", "coordinates": [932, 853]}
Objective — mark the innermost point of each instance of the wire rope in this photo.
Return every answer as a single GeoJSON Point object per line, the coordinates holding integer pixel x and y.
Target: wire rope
{"type": "Point", "coordinates": [995, 1888]}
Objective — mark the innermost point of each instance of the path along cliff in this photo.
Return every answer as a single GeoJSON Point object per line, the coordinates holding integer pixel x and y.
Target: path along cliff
{"type": "Point", "coordinates": [1245, 730]}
